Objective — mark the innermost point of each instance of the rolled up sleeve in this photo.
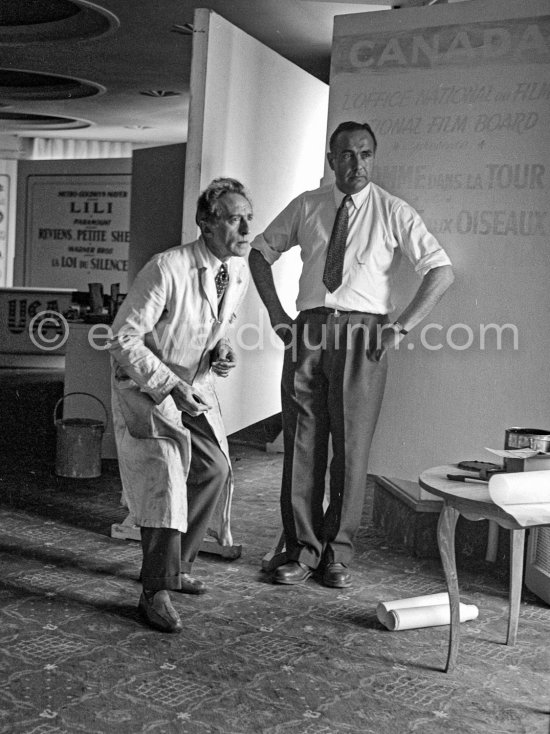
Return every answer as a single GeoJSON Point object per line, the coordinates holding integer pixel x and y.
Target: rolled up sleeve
{"type": "Point", "coordinates": [418, 244]}
{"type": "Point", "coordinates": [281, 234]}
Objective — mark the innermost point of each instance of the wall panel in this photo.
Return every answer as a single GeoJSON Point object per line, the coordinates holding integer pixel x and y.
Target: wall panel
{"type": "Point", "coordinates": [459, 98]}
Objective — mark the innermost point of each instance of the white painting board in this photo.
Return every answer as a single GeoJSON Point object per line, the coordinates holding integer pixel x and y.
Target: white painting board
{"type": "Point", "coordinates": [259, 118]}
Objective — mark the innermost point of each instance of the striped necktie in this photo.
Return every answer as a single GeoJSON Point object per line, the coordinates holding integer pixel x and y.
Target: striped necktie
{"type": "Point", "coordinates": [222, 279]}
{"type": "Point", "coordinates": [334, 265]}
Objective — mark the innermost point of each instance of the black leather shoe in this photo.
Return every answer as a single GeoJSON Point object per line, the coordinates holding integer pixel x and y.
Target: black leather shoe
{"type": "Point", "coordinates": [158, 612]}
{"type": "Point", "coordinates": [293, 572]}
{"type": "Point", "coordinates": [337, 576]}
{"type": "Point", "coordinates": [190, 585]}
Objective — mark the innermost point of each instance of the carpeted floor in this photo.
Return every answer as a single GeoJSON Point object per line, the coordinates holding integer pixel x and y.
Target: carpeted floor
{"type": "Point", "coordinates": [254, 658]}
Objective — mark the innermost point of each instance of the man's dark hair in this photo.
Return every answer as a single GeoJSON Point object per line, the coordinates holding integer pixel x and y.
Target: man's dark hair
{"type": "Point", "coordinates": [207, 203]}
{"type": "Point", "coordinates": [346, 127]}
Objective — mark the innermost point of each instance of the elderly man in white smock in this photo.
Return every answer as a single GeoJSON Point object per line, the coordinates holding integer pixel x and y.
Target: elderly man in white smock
{"type": "Point", "coordinates": [169, 337]}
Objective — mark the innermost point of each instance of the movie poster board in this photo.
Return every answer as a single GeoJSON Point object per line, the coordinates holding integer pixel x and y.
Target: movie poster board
{"type": "Point", "coordinates": [77, 230]}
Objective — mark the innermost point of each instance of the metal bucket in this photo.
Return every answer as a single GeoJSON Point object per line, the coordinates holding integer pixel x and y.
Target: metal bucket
{"type": "Point", "coordinates": [78, 443]}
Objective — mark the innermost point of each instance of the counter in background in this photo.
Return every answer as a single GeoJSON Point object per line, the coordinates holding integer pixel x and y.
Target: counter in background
{"type": "Point", "coordinates": [33, 331]}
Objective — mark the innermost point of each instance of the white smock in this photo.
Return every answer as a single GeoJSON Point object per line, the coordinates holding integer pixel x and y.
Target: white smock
{"type": "Point", "coordinates": [164, 332]}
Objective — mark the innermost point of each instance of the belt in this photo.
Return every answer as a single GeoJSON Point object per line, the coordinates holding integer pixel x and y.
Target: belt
{"type": "Point", "coordinates": [337, 311]}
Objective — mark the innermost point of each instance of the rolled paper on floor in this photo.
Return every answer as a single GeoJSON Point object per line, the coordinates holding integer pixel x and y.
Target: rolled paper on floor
{"type": "Point", "coordinates": [431, 616]}
{"type": "Point", "coordinates": [385, 607]}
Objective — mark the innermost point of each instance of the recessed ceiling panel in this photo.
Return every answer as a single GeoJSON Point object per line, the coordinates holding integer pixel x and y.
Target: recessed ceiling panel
{"type": "Point", "coordinates": [26, 121]}
{"type": "Point", "coordinates": [46, 21]}
{"type": "Point", "coordinates": [31, 85]}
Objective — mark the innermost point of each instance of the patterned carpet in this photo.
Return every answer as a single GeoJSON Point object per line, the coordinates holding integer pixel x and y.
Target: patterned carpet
{"type": "Point", "coordinates": [254, 658]}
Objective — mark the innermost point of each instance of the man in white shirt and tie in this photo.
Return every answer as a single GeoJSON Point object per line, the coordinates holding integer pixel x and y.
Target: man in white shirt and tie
{"type": "Point", "coordinates": [352, 235]}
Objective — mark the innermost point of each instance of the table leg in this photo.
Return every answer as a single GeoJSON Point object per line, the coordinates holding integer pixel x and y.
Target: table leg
{"type": "Point", "coordinates": [446, 542]}
{"type": "Point", "coordinates": [517, 544]}
{"type": "Point", "coordinates": [492, 542]}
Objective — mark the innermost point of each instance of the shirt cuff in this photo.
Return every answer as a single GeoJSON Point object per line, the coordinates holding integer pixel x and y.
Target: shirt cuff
{"type": "Point", "coordinates": [160, 388]}
{"type": "Point", "coordinates": [270, 255]}
{"type": "Point", "coordinates": [434, 260]}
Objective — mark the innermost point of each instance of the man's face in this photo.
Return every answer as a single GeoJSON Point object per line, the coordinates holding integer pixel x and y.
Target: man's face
{"type": "Point", "coordinates": [227, 235]}
{"type": "Point", "coordinates": [352, 160]}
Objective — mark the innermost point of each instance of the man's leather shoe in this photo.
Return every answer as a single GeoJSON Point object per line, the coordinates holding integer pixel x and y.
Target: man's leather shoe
{"type": "Point", "coordinates": [158, 612]}
{"type": "Point", "coordinates": [190, 585]}
{"type": "Point", "coordinates": [337, 576]}
{"type": "Point", "coordinates": [293, 572]}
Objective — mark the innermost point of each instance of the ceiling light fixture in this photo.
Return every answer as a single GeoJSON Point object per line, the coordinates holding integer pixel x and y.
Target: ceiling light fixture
{"type": "Point", "coordinates": [160, 93]}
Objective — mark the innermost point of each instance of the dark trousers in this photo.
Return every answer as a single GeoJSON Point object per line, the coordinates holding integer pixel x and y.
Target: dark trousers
{"type": "Point", "coordinates": [168, 553]}
{"type": "Point", "coordinates": [330, 389]}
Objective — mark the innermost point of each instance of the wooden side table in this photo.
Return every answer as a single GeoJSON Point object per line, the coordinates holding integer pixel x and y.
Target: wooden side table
{"type": "Point", "coordinates": [472, 500]}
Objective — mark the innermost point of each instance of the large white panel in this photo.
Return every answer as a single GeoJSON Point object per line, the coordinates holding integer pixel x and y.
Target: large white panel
{"type": "Point", "coordinates": [458, 95]}
{"type": "Point", "coordinates": [258, 118]}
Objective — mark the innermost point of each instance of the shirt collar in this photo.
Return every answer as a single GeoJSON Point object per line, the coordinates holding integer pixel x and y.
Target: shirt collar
{"type": "Point", "coordinates": [208, 257]}
{"type": "Point", "coordinates": [358, 199]}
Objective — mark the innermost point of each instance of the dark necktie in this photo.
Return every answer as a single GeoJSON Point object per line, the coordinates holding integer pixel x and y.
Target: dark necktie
{"type": "Point", "coordinates": [222, 279]}
{"type": "Point", "coordinates": [334, 265]}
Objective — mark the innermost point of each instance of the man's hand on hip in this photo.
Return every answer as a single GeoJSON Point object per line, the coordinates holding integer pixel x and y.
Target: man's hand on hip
{"type": "Point", "coordinates": [285, 328]}
{"type": "Point", "coordinates": [389, 338]}
{"type": "Point", "coordinates": [189, 399]}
